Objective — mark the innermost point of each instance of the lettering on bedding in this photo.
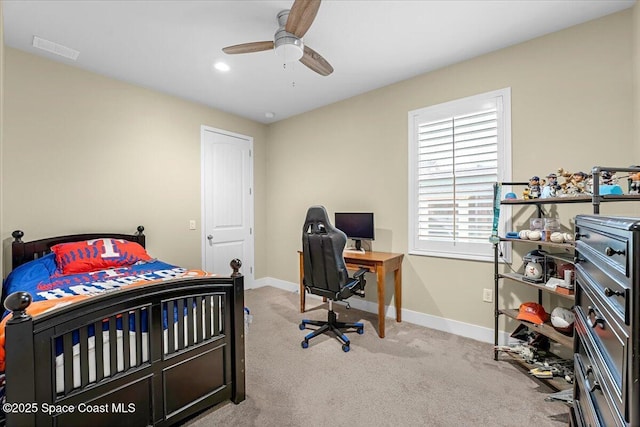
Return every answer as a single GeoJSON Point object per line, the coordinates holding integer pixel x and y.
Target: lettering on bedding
{"type": "Point", "coordinates": [103, 281]}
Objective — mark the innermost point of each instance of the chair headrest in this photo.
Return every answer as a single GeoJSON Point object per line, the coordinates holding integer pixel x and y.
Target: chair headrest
{"type": "Point", "coordinates": [317, 220]}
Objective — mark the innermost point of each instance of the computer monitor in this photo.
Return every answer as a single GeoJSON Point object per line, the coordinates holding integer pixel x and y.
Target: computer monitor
{"type": "Point", "coordinates": [356, 225]}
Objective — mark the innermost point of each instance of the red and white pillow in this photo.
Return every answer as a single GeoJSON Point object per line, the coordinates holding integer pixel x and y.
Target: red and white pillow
{"type": "Point", "coordinates": [97, 254]}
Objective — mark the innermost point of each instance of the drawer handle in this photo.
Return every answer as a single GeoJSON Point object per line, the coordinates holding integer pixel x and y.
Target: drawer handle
{"type": "Point", "coordinates": [610, 293]}
{"type": "Point", "coordinates": [611, 252]}
{"type": "Point", "coordinates": [591, 386]}
{"type": "Point", "coordinates": [594, 320]}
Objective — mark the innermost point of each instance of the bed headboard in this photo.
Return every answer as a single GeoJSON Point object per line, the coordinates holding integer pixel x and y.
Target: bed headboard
{"type": "Point", "coordinates": [23, 252]}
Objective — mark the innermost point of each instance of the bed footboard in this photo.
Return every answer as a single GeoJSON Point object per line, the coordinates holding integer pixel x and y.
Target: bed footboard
{"type": "Point", "coordinates": [149, 355]}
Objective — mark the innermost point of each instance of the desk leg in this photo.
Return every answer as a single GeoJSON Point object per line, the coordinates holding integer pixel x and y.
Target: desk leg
{"type": "Point", "coordinates": [302, 292]}
{"type": "Point", "coordinates": [397, 278]}
{"type": "Point", "coordinates": [380, 273]}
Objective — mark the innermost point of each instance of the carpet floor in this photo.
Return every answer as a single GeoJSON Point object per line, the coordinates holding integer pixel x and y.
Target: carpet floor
{"type": "Point", "coordinates": [415, 376]}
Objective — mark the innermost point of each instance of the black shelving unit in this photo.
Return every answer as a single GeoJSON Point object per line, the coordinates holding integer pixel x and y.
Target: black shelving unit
{"type": "Point", "coordinates": [562, 251]}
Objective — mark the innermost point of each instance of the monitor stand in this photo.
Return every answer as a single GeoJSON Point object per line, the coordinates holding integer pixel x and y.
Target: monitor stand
{"type": "Point", "coordinates": [357, 248]}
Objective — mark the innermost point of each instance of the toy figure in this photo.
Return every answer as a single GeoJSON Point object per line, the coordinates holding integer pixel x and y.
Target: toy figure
{"type": "Point", "coordinates": [534, 188]}
{"type": "Point", "coordinates": [608, 178]}
{"type": "Point", "coordinates": [634, 183]}
{"type": "Point", "coordinates": [567, 179]}
{"type": "Point", "coordinates": [552, 186]}
{"type": "Point", "coordinates": [575, 183]}
{"type": "Point", "coordinates": [578, 182]}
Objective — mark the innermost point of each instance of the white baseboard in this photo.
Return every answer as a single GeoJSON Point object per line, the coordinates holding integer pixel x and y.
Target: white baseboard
{"type": "Point", "coordinates": [277, 283]}
{"type": "Point", "coordinates": [468, 330]}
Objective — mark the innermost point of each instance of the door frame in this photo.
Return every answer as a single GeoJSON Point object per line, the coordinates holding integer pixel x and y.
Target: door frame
{"type": "Point", "coordinates": [247, 268]}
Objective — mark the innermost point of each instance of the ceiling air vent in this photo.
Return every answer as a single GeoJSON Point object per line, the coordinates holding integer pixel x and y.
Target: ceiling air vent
{"type": "Point", "coordinates": [55, 48]}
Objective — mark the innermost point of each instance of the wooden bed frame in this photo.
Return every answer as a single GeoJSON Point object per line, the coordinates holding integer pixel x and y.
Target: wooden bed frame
{"type": "Point", "coordinates": [201, 368]}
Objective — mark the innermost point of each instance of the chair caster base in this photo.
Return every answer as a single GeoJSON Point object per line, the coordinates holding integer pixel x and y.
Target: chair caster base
{"type": "Point", "coordinates": [331, 325]}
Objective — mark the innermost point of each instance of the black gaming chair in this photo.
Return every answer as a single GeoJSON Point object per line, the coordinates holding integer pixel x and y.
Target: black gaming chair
{"type": "Point", "coordinates": [325, 273]}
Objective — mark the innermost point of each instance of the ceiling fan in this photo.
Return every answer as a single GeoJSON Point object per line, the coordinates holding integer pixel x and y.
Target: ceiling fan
{"type": "Point", "coordinates": [293, 25]}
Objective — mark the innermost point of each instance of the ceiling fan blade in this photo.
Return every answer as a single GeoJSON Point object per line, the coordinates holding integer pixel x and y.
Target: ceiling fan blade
{"type": "Point", "coordinates": [301, 16]}
{"type": "Point", "coordinates": [316, 62]}
{"type": "Point", "coordinates": [248, 47]}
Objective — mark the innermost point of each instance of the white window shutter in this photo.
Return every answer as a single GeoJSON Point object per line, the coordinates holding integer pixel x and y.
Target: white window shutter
{"type": "Point", "coordinates": [457, 152]}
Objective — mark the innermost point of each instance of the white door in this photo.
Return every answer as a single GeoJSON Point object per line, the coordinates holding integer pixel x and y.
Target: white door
{"type": "Point", "coordinates": [227, 202]}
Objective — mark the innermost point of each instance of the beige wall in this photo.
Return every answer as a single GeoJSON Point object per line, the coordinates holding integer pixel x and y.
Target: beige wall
{"type": "Point", "coordinates": [571, 108]}
{"type": "Point", "coordinates": [636, 80]}
{"type": "Point", "coordinates": [84, 152]}
{"type": "Point", "coordinates": [64, 127]}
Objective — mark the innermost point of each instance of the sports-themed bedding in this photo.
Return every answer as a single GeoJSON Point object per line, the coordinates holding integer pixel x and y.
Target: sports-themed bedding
{"type": "Point", "coordinates": [76, 271]}
{"type": "Point", "coordinates": [108, 324]}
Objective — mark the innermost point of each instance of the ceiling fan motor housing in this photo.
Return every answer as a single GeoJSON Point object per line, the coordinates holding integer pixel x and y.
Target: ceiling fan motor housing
{"type": "Point", "coordinates": [287, 46]}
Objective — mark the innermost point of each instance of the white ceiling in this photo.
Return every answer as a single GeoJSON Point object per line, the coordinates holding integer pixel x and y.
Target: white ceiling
{"type": "Point", "coordinates": [171, 46]}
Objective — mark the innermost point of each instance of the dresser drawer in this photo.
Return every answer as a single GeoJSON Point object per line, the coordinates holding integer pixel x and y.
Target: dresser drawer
{"type": "Point", "coordinates": [591, 406]}
{"type": "Point", "coordinates": [616, 294]}
{"type": "Point", "coordinates": [609, 250]}
{"type": "Point", "coordinates": [606, 332]}
{"type": "Point", "coordinates": [603, 346]}
{"type": "Point", "coordinates": [603, 256]}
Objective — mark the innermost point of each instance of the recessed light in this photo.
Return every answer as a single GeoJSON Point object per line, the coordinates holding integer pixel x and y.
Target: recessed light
{"type": "Point", "coordinates": [269, 115]}
{"type": "Point", "coordinates": [221, 66]}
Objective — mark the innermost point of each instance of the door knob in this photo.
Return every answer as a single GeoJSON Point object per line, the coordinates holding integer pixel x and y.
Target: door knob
{"type": "Point", "coordinates": [210, 237]}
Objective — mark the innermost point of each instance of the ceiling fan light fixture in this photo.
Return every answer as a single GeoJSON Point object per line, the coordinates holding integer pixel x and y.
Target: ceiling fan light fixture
{"type": "Point", "coordinates": [221, 66]}
{"type": "Point", "coordinates": [287, 41]}
{"type": "Point", "coordinates": [288, 47]}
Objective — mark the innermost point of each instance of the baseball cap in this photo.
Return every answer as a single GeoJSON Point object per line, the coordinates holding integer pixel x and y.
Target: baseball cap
{"type": "Point", "coordinates": [532, 312]}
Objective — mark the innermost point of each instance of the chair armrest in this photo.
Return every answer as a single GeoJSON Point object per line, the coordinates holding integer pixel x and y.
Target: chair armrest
{"type": "Point", "coordinates": [358, 274]}
{"type": "Point", "coordinates": [360, 281]}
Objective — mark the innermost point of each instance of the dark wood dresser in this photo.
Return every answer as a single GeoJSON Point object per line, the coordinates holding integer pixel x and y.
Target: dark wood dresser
{"type": "Point", "coordinates": [607, 339]}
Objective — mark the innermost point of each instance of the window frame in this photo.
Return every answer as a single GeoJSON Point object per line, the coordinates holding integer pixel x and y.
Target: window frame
{"type": "Point", "coordinates": [452, 249]}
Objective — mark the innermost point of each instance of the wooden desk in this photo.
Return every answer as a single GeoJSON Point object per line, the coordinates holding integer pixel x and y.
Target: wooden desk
{"type": "Point", "coordinates": [379, 263]}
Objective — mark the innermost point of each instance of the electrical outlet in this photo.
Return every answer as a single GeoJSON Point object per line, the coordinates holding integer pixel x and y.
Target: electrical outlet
{"type": "Point", "coordinates": [487, 295]}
